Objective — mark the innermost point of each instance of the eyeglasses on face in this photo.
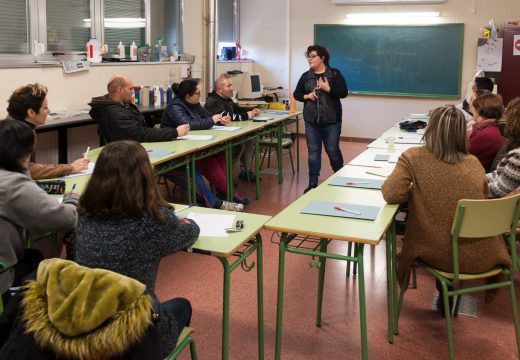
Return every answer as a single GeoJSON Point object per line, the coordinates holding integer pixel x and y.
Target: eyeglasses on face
{"type": "Point", "coordinates": [311, 56]}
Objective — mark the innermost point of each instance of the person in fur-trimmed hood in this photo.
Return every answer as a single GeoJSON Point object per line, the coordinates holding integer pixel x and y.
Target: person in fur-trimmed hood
{"type": "Point", "coordinates": [75, 312]}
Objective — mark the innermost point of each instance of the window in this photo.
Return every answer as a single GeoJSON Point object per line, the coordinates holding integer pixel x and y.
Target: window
{"type": "Point", "coordinates": [227, 13]}
{"type": "Point", "coordinates": [14, 27]}
{"type": "Point", "coordinates": [124, 21]}
{"type": "Point", "coordinates": [63, 26]}
{"type": "Point", "coordinates": [68, 25]}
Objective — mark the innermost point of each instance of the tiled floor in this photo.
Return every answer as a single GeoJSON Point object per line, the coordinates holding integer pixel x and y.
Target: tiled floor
{"type": "Point", "coordinates": [199, 278]}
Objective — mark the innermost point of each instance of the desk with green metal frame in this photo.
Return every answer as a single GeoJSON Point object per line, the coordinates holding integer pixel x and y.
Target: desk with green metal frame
{"type": "Point", "coordinates": [240, 245]}
{"type": "Point", "coordinates": [291, 222]}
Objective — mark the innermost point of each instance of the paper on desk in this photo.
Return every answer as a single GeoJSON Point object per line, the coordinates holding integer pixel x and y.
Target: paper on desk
{"type": "Point", "coordinates": [225, 128]}
{"type": "Point", "coordinates": [156, 153]}
{"type": "Point", "coordinates": [212, 224]}
{"type": "Point", "coordinates": [196, 137]}
{"type": "Point", "coordinates": [384, 171]}
{"type": "Point", "coordinates": [88, 171]}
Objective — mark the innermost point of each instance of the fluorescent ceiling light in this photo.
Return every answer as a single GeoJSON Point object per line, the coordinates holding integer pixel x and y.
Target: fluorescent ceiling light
{"type": "Point", "coordinates": [412, 17]}
{"type": "Point", "coordinates": [122, 22]}
{"type": "Point", "coordinates": [384, 15]}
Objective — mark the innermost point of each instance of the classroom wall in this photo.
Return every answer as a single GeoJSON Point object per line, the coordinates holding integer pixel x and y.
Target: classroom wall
{"type": "Point", "coordinates": [270, 27]}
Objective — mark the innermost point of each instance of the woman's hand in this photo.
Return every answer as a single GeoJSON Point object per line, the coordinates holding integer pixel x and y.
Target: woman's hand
{"type": "Point", "coordinates": [80, 165]}
{"type": "Point", "coordinates": [323, 84]}
{"type": "Point", "coordinates": [183, 129]}
{"type": "Point", "coordinates": [310, 96]}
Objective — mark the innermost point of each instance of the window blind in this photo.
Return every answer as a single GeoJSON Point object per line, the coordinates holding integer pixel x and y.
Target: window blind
{"type": "Point", "coordinates": [226, 21]}
{"type": "Point", "coordinates": [14, 27]}
{"type": "Point", "coordinates": [67, 25]}
{"type": "Point", "coordinates": [126, 32]}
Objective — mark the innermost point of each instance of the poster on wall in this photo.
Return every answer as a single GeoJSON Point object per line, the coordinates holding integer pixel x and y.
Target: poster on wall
{"type": "Point", "coordinates": [489, 54]}
{"type": "Point", "coordinates": [516, 45]}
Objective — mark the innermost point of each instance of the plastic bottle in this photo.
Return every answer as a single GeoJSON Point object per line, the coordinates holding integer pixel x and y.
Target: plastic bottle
{"type": "Point", "coordinates": [175, 52]}
{"type": "Point", "coordinates": [121, 50]}
{"type": "Point", "coordinates": [156, 96]}
{"type": "Point", "coordinates": [145, 97]}
{"type": "Point", "coordinates": [137, 94]}
{"type": "Point", "coordinates": [169, 95]}
{"type": "Point", "coordinates": [133, 51]}
{"type": "Point", "coordinates": [239, 50]}
{"type": "Point", "coordinates": [151, 95]}
{"type": "Point", "coordinates": [161, 91]}
{"type": "Point", "coordinates": [94, 51]}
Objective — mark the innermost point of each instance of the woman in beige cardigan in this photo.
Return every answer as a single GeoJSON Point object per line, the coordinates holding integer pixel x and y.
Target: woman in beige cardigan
{"type": "Point", "coordinates": [432, 178]}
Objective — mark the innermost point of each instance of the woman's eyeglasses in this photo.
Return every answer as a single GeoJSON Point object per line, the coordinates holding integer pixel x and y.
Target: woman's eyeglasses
{"type": "Point", "coordinates": [311, 56]}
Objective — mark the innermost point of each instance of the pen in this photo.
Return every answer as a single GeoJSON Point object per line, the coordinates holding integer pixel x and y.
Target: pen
{"type": "Point", "coordinates": [347, 210]}
{"type": "Point", "coordinates": [73, 188]}
{"type": "Point", "coordinates": [183, 208]}
{"type": "Point", "coordinates": [356, 182]}
{"type": "Point", "coordinates": [85, 155]}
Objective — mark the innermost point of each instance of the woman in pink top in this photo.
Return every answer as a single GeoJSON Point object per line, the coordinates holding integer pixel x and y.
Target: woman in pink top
{"type": "Point", "coordinates": [485, 139]}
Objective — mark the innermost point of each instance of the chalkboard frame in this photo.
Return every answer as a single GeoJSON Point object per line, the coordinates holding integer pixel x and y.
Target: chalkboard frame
{"type": "Point", "coordinates": [456, 28]}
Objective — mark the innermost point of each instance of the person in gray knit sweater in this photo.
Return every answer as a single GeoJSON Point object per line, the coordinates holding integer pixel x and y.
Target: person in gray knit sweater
{"type": "Point", "coordinates": [24, 207]}
{"type": "Point", "coordinates": [125, 226]}
{"type": "Point", "coordinates": [506, 177]}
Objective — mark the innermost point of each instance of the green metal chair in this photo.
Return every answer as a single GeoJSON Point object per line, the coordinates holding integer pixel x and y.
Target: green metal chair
{"type": "Point", "coordinates": [184, 339]}
{"type": "Point", "coordinates": [478, 219]}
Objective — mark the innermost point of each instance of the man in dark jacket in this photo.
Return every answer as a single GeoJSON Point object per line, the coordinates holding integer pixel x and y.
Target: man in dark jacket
{"type": "Point", "coordinates": [119, 119]}
{"type": "Point", "coordinates": [220, 102]}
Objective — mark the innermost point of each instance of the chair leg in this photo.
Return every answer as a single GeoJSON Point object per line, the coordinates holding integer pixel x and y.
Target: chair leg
{"type": "Point", "coordinates": [414, 278]}
{"type": "Point", "coordinates": [193, 350]}
{"type": "Point", "coordinates": [457, 305]}
{"type": "Point", "coordinates": [401, 296]}
{"type": "Point", "coordinates": [292, 163]}
{"type": "Point", "coordinates": [515, 312]}
{"type": "Point", "coordinates": [263, 156]}
{"type": "Point", "coordinates": [447, 315]}
{"type": "Point", "coordinates": [354, 272]}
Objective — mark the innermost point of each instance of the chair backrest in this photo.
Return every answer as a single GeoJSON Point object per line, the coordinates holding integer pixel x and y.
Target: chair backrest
{"type": "Point", "coordinates": [276, 105]}
{"type": "Point", "coordinates": [484, 218]}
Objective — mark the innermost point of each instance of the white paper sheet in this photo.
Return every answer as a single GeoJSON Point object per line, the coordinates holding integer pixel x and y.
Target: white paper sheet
{"type": "Point", "coordinates": [213, 224]}
{"type": "Point", "coordinates": [225, 128]}
{"type": "Point", "coordinates": [196, 137]}
{"type": "Point", "coordinates": [88, 171]}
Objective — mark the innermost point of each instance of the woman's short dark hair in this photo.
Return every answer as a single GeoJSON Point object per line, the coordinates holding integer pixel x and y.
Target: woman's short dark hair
{"type": "Point", "coordinates": [489, 106]}
{"type": "Point", "coordinates": [122, 184]}
{"type": "Point", "coordinates": [185, 87]}
{"type": "Point", "coordinates": [27, 97]}
{"type": "Point", "coordinates": [16, 142]}
{"type": "Point", "coordinates": [484, 83]}
{"type": "Point", "coordinates": [321, 51]}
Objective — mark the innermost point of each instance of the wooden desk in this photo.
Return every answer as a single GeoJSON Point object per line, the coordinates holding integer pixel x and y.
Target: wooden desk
{"type": "Point", "coordinates": [291, 222]}
{"type": "Point", "coordinates": [238, 246]}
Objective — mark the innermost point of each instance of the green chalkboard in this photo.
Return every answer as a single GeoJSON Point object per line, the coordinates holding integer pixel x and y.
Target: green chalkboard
{"type": "Point", "coordinates": [396, 60]}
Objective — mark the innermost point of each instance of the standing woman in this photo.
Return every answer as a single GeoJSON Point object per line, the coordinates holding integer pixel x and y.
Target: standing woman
{"type": "Point", "coordinates": [321, 88]}
{"type": "Point", "coordinates": [126, 227]}
{"type": "Point", "coordinates": [432, 178]}
{"type": "Point", "coordinates": [24, 207]}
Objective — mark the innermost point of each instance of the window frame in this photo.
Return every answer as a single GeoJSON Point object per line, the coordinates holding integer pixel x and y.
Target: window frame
{"type": "Point", "coordinates": [37, 24]}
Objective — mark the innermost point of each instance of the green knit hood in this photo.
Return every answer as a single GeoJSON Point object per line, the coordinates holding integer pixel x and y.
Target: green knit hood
{"type": "Point", "coordinates": [84, 313]}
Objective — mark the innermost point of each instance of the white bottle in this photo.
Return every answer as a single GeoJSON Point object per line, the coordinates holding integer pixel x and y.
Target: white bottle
{"type": "Point", "coordinates": [94, 51]}
{"type": "Point", "coordinates": [175, 52]}
{"type": "Point", "coordinates": [121, 50]}
{"type": "Point", "coordinates": [133, 51]}
{"type": "Point", "coordinates": [157, 96]}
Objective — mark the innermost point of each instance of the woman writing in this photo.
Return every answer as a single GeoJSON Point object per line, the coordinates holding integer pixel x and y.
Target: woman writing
{"type": "Point", "coordinates": [186, 109]}
{"type": "Point", "coordinates": [24, 207]}
{"type": "Point", "coordinates": [432, 178]}
{"type": "Point", "coordinates": [126, 227]}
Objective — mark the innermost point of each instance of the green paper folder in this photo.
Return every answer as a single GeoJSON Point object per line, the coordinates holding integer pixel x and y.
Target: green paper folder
{"type": "Point", "coordinates": [327, 208]}
{"type": "Point", "coordinates": [370, 183]}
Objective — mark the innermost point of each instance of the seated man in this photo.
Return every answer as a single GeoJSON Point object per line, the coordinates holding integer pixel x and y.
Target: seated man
{"type": "Point", "coordinates": [29, 103]}
{"type": "Point", "coordinates": [119, 119]}
{"type": "Point", "coordinates": [220, 102]}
